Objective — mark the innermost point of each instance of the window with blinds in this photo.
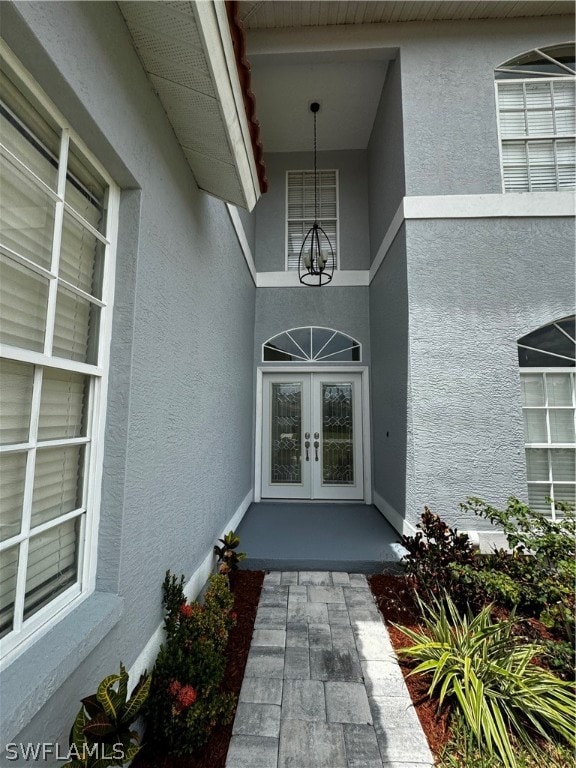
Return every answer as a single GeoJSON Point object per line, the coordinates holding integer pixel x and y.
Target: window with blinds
{"type": "Point", "coordinates": [300, 210]}
{"type": "Point", "coordinates": [58, 217]}
{"type": "Point", "coordinates": [537, 120]}
{"type": "Point", "coordinates": [547, 360]}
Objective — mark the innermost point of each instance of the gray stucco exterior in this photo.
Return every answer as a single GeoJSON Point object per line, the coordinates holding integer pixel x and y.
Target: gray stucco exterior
{"type": "Point", "coordinates": [474, 288]}
{"type": "Point", "coordinates": [386, 174]}
{"type": "Point", "coordinates": [270, 214]}
{"type": "Point", "coordinates": [181, 356]}
{"type": "Point", "coordinates": [438, 321]}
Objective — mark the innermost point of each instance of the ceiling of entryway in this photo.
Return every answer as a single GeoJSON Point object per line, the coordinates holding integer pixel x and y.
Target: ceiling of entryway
{"type": "Point", "coordinates": [348, 83]}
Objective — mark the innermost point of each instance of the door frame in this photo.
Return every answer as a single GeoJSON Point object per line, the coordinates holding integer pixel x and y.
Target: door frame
{"type": "Point", "coordinates": [366, 426]}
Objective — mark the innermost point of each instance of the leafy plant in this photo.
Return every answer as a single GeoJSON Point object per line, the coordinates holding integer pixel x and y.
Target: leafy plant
{"type": "Point", "coordinates": [461, 751]}
{"type": "Point", "coordinates": [101, 733]}
{"type": "Point", "coordinates": [186, 701]}
{"type": "Point", "coordinates": [433, 551]}
{"type": "Point", "coordinates": [227, 555]}
{"type": "Point", "coordinates": [538, 577]}
{"type": "Point", "coordinates": [481, 668]}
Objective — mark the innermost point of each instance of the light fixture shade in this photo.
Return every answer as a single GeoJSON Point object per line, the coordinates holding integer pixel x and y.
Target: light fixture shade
{"type": "Point", "coordinates": [316, 257]}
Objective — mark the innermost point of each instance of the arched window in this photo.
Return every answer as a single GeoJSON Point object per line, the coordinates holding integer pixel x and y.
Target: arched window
{"type": "Point", "coordinates": [536, 116]}
{"type": "Point", "coordinates": [311, 344]}
{"type": "Point", "coordinates": [547, 359]}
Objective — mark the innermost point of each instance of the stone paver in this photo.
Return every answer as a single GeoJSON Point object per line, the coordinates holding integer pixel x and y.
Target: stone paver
{"type": "Point", "coordinates": [303, 700]}
{"type": "Point", "coordinates": [347, 703]}
{"type": "Point", "coordinates": [252, 752]}
{"type": "Point", "coordinates": [257, 720]}
{"type": "Point", "coordinates": [322, 686]}
{"type": "Point", "coordinates": [261, 690]}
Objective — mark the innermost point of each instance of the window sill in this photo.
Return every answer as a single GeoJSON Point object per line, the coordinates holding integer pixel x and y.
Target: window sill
{"type": "Point", "coordinates": [30, 681]}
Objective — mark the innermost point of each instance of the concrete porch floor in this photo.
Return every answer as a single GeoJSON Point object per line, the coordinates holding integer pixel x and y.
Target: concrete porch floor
{"type": "Point", "coordinates": [292, 536]}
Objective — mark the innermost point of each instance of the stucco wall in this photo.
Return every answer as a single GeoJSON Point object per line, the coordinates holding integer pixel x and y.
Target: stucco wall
{"type": "Point", "coordinates": [353, 223]}
{"type": "Point", "coordinates": [448, 99]}
{"type": "Point", "coordinates": [389, 375]}
{"type": "Point", "coordinates": [386, 181]}
{"type": "Point", "coordinates": [475, 287]}
{"type": "Point", "coordinates": [181, 360]}
{"type": "Point", "coordinates": [344, 309]}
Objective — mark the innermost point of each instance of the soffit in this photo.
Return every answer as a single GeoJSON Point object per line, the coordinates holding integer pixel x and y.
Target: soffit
{"type": "Point", "coordinates": [271, 14]}
{"type": "Point", "coordinates": [186, 51]}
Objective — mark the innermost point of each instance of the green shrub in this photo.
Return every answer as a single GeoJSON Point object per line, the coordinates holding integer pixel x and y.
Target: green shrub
{"type": "Point", "coordinates": [538, 577]}
{"type": "Point", "coordinates": [433, 551]}
{"type": "Point", "coordinates": [186, 701]}
{"type": "Point", "coordinates": [101, 733]}
{"type": "Point", "coordinates": [490, 679]}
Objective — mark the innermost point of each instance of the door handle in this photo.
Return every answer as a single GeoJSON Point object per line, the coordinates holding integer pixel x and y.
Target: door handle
{"type": "Point", "coordinates": [316, 446]}
{"type": "Point", "coordinates": [307, 446]}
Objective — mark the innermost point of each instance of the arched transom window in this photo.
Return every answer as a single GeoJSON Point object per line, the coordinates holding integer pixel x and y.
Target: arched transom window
{"type": "Point", "coordinates": [536, 115]}
{"type": "Point", "coordinates": [311, 344]}
{"type": "Point", "coordinates": [547, 360]}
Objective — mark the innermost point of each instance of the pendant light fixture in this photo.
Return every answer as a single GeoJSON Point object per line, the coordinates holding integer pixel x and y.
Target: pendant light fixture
{"type": "Point", "coordinates": [316, 259]}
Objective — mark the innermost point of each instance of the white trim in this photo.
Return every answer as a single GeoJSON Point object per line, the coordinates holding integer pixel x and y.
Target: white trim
{"type": "Point", "coordinates": [516, 205]}
{"type": "Point", "coordinates": [497, 206]}
{"type": "Point", "coordinates": [395, 519]}
{"type": "Point", "coordinates": [289, 279]}
{"type": "Point", "coordinates": [242, 240]}
{"type": "Point", "coordinates": [147, 656]}
{"type": "Point", "coordinates": [212, 25]}
{"type": "Point", "coordinates": [366, 424]}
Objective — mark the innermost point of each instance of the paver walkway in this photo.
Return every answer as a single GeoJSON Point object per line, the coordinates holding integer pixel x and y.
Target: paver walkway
{"type": "Point", "coordinates": [322, 687]}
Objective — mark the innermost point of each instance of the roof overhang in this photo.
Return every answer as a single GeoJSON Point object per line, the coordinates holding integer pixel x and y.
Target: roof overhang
{"type": "Point", "coordinates": [188, 53]}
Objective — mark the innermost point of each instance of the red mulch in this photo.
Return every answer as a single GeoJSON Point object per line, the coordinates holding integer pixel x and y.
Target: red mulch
{"type": "Point", "coordinates": [246, 586]}
{"type": "Point", "coordinates": [394, 598]}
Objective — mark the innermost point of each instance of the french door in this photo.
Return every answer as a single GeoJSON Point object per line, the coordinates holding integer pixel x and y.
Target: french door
{"type": "Point", "coordinates": [312, 436]}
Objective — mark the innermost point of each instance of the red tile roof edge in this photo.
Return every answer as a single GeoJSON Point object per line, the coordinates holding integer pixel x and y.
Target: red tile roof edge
{"type": "Point", "coordinates": [238, 35]}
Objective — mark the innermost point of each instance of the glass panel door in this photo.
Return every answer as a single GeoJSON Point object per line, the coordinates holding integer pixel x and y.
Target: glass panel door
{"type": "Point", "coordinates": [286, 417]}
{"type": "Point", "coordinates": [337, 427]}
{"type": "Point", "coordinates": [337, 434]}
{"type": "Point", "coordinates": [312, 436]}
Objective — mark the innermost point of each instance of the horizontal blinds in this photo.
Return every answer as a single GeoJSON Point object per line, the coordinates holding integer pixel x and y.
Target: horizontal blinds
{"type": "Point", "coordinates": [46, 277]}
{"type": "Point", "coordinates": [75, 317]}
{"type": "Point", "coordinates": [26, 216]}
{"type": "Point", "coordinates": [528, 113]}
{"type": "Point", "coordinates": [27, 133]}
{"type": "Point", "coordinates": [301, 212]}
{"type": "Point", "coordinates": [12, 480]}
{"type": "Point", "coordinates": [62, 406]}
{"type": "Point", "coordinates": [23, 303]}
{"type": "Point", "coordinates": [52, 565]}
{"type": "Point", "coordinates": [57, 482]}
{"type": "Point", "coordinates": [16, 380]}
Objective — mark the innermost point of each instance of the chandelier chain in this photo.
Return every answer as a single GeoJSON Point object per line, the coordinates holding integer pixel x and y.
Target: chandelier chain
{"type": "Point", "coordinates": [315, 176]}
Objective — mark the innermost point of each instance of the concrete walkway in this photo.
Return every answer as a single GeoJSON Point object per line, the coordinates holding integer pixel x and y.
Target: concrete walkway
{"type": "Point", "coordinates": [322, 687]}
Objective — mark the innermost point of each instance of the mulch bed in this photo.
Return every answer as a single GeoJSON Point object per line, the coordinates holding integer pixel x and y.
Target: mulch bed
{"type": "Point", "coordinates": [394, 598]}
{"type": "Point", "coordinates": [246, 586]}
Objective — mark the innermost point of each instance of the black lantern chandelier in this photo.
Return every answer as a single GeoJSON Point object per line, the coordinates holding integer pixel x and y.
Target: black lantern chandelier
{"type": "Point", "coordinates": [316, 259]}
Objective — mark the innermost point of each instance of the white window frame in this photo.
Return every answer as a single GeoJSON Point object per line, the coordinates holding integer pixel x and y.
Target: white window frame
{"type": "Point", "coordinates": [304, 356]}
{"type": "Point", "coordinates": [525, 139]}
{"type": "Point", "coordinates": [549, 445]}
{"type": "Point", "coordinates": [26, 632]}
{"type": "Point", "coordinates": [336, 245]}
